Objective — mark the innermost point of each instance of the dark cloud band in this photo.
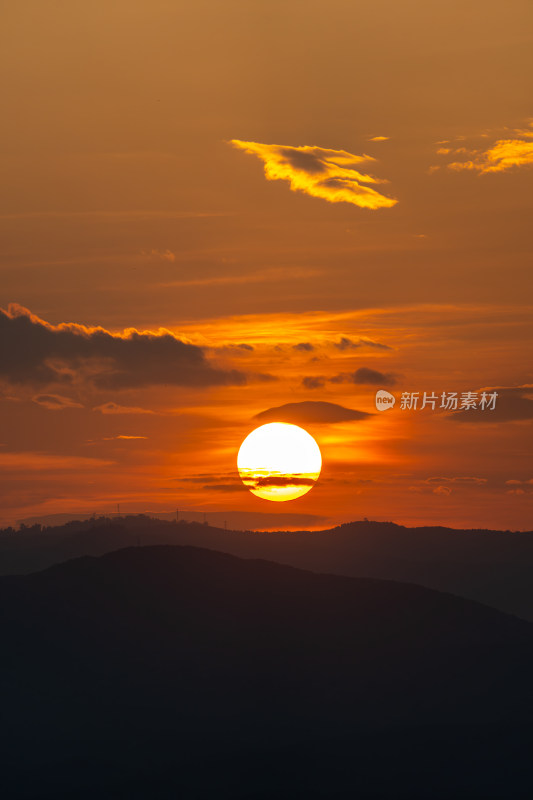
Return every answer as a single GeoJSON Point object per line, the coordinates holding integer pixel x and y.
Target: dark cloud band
{"type": "Point", "coordinates": [311, 411]}
{"type": "Point", "coordinates": [36, 352]}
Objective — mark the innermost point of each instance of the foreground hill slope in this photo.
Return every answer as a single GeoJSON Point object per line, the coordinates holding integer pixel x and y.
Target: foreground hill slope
{"type": "Point", "coordinates": [155, 670]}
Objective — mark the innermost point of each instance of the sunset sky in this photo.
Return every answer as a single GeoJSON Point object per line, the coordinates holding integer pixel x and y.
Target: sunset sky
{"type": "Point", "coordinates": [212, 210]}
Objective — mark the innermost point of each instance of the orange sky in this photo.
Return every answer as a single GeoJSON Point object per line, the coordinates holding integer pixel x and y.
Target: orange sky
{"type": "Point", "coordinates": [245, 205]}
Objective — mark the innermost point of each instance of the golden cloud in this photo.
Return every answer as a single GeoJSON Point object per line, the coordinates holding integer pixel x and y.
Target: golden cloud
{"type": "Point", "coordinates": [122, 436]}
{"type": "Point", "coordinates": [503, 155]}
{"type": "Point", "coordinates": [328, 174]}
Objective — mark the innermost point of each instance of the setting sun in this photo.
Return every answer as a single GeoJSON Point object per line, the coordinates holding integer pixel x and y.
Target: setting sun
{"type": "Point", "coordinates": [279, 461]}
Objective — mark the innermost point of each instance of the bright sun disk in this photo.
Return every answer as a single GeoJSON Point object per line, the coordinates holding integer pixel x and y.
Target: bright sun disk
{"type": "Point", "coordinates": [279, 461]}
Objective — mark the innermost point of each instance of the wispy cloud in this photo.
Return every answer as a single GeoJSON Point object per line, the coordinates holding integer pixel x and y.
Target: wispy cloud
{"type": "Point", "coordinates": [122, 436]}
{"type": "Point", "coordinates": [115, 408]}
{"type": "Point", "coordinates": [465, 481]}
{"type": "Point", "coordinates": [133, 215]}
{"type": "Point", "coordinates": [284, 480]}
{"type": "Point", "coordinates": [361, 376]}
{"type": "Point", "coordinates": [443, 490]}
{"type": "Point", "coordinates": [316, 171]}
{"type": "Point", "coordinates": [365, 375]}
{"type": "Point", "coordinates": [347, 344]}
{"type": "Point", "coordinates": [159, 255]}
{"type": "Point", "coordinates": [36, 461]}
{"type": "Point", "coordinates": [55, 402]}
{"type": "Point", "coordinates": [273, 275]}
{"type": "Point", "coordinates": [313, 381]}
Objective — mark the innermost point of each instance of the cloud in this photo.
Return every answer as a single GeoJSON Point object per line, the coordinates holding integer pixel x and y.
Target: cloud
{"type": "Point", "coordinates": [527, 132]}
{"type": "Point", "coordinates": [134, 216]}
{"type": "Point", "coordinates": [348, 344]}
{"type": "Point", "coordinates": [122, 436]}
{"type": "Point", "coordinates": [379, 139]}
{"type": "Point", "coordinates": [208, 477]}
{"type": "Point", "coordinates": [466, 481]}
{"type": "Point", "coordinates": [233, 350]}
{"type": "Point", "coordinates": [512, 405]}
{"type": "Point", "coordinates": [160, 255]}
{"type": "Point", "coordinates": [114, 408]}
{"type": "Point", "coordinates": [441, 485]}
{"type": "Point", "coordinates": [283, 480]}
{"type": "Point", "coordinates": [344, 344]}
{"type": "Point", "coordinates": [43, 353]}
{"type": "Point", "coordinates": [55, 402]}
{"type": "Point", "coordinates": [328, 174]}
{"type": "Point", "coordinates": [313, 382]}
{"type": "Point", "coordinates": [311, 411]}
{"type": "Point", "coordinates": [502, 156]}
{"type": "Point", "coordinates": [443, 490]}
{"type": "Point", "coordinates": [274, 274]}
{"type": "Point", "coordinates": [365, 375]}
{"type": "Point", "coordinates": [226, 487]}
{"type": "Point", "coordinates": [46, 462]}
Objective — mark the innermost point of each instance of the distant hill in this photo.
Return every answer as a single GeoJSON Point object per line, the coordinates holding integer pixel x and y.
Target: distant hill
{"type": "Point", "coordinates": [184, 672]}
{"type": "Point", "coordinates": [236, 520]}
{"type": "Point", "coordinates": [492, 567]}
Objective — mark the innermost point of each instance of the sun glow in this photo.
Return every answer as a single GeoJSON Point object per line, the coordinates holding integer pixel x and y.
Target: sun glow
{"type": "Point", "coordinates": [279, 461]}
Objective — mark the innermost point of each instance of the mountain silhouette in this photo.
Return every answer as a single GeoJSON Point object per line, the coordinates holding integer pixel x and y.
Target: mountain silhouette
{"type": "Point", "coordinates": [492, 567]}
{"type": "Point", "coordinates": [170, 671]}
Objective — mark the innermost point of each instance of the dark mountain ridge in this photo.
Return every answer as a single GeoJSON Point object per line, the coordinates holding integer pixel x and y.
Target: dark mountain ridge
{"type": "Point", "coordinates": [162, 666]}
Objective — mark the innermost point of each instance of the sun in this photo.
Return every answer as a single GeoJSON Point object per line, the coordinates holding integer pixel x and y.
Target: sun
{"type": "Point", "coordinates": [279, 461]}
